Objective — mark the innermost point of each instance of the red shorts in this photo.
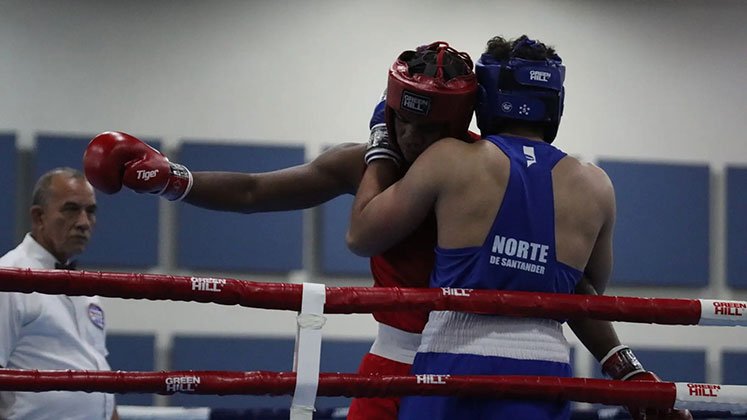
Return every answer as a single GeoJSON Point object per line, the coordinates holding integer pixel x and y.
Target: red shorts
{"type": "Point", "coordinates": [377, 408]}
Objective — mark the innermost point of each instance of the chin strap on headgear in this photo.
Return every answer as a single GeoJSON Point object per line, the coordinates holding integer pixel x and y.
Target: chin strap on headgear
{"type": "Point", "coordinates": [520, 89]}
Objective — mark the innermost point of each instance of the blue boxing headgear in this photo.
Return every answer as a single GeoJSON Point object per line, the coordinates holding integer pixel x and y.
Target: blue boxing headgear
{"type": "Point", "coordinates": [520, 89]}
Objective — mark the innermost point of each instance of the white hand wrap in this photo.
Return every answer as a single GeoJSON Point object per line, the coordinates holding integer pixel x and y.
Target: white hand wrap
{"type": "Point", "coordinates": [620, 363]}
{"type": "Point", "coordinates": [180, 182]}
{"type": "Point", "coordinates": [379, 146]}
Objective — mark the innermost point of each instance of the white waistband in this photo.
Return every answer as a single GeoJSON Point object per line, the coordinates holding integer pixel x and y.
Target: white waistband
{"type": "Point", "coordinates": [488, 335]}
{"type": "Point", "coordinates": [394, 344]}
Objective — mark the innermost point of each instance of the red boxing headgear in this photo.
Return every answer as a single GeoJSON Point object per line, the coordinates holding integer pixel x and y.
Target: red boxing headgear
{"type": "Point", "coordinates": [434, 83]}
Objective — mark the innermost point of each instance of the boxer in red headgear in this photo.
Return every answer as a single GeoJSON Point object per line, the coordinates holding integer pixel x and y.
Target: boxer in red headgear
{"type": "Point", "coordinates": [431, 95]}
{"type": "Point", "coordinates": [430, 91]}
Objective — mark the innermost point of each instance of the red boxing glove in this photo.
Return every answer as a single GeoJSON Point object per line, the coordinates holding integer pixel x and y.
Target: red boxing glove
{"type": "Point", "coordinates": [620, 363]}
{"type": "Point", "coordinates": [113, 159]}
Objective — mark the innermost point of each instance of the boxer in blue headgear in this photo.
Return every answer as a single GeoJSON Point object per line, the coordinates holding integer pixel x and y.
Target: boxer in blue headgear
{"type": "Point", "coordinates": [516, 91]}
{"type": "Point", "coordinates": [513, 213]}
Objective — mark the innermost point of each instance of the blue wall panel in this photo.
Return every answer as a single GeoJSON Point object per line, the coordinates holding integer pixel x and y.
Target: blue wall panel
{"type": "Point", "coordinates": [8, 182]}
{"type": "Point", "coordinates": [734, 368]}
{"type": "Point", "coordinates": [126, 233]}
{"type": "Point", "coordinates": [662, 233]}
{"type": "Point", "coordinates": [268, 242]}
{"type": "Point", "coordinates": [335, 257]}
{"type": "Point", "coordinates": [252, 354]}
{"type": "Point", "coordinates": [736, 227]}
{"type": "Point", "coordinates": [132, 352]}
{"type": "Point", "coordinates": [668, 364]}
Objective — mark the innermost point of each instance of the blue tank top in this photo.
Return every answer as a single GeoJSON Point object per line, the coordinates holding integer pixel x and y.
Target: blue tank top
{"type": "Point", "coordinates": [519, 251]}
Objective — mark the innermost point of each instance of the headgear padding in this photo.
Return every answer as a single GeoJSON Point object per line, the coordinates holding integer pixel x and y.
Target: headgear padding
{"type": "Point", "coordinates": [519, 89]}
{"type": "Point", "coordinates": [434, 83]}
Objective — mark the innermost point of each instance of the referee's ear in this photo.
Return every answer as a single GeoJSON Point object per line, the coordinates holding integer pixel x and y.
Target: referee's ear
{"type": "Point", "coordinates": [36, 211]}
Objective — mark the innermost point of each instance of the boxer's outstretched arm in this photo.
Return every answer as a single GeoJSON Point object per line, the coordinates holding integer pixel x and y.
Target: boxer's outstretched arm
{"type": "Point", "coordinates": [336, 171]}
{"type": "Point", "coordinates": [115, 159]}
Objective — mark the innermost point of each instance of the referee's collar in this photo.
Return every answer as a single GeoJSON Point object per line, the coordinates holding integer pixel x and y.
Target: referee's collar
{"type": "Point", "coordinates": [33, 249]}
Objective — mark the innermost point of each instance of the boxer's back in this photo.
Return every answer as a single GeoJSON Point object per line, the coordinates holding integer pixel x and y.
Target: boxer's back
{"type": "Point", "coordinates": [581, 196]}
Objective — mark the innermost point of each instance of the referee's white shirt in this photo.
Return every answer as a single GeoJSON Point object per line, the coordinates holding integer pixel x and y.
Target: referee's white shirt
{"type": "Point", "coordinates": [39, 331]}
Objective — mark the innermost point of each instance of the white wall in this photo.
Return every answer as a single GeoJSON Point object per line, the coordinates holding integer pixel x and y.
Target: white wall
{"type": "Point", "coordinates": [651, 80]}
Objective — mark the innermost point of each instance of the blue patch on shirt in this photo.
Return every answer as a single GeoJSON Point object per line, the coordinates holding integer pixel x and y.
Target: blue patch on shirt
{"type": "Point", "coordinates": [96, 315]}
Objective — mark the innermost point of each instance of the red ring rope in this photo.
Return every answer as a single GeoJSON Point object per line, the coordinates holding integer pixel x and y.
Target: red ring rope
{"type": "Point", "coordinates": [344, 300]}
{"type": "Point", "coordinates": [649, 394]}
